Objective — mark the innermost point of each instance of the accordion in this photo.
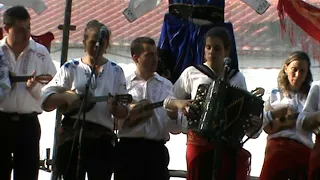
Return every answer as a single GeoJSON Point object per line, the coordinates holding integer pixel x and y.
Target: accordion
{"type": "Point", "coordinates": [223, 107]}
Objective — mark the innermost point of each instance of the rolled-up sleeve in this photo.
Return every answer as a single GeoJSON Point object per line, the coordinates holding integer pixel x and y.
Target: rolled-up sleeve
{"type": "Point", "coordinates": [121, 84]}
{"type": "Point", "coordinates": [310, 106]}
{"type": "Point", "coordinates": [267, 117]}
{"type": "Point", "coordinates": [174, 125]}
{"type": "Point", "coordinates": [182, 87]}
{"type": "Point", "coordinates": [60, 82]}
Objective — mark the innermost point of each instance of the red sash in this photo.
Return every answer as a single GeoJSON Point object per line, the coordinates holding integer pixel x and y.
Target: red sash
{"type": "Point", "coordinates": [285, 158]}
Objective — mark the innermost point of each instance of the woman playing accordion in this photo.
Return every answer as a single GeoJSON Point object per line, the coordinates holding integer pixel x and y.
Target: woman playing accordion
{"type": "Point", "coordinates": [286, 140]}
{"type": "Point", "coordinates": [200, 151]}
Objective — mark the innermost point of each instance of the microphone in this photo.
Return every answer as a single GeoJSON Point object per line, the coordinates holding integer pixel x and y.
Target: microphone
{"type": "Point", "coordinates": [103, 31]}
{"type": "Point", "coordinates": [227, 63]}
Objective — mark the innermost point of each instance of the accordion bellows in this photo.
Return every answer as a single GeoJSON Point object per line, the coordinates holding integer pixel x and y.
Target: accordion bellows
{"type": "Point", "coordinates": [223, 107]}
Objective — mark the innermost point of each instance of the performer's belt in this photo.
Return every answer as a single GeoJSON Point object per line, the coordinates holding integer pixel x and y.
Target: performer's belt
{"type": "Point", "coordinates": [138, 141]}
{"type": "Point", "coordinates": [92, 131]}
{"type": "Point", "coordinates": [186, 11]}
{"type": "Point", "coordinates": [90, 126]}
{"type": "Point", "coordinates": [18, 116]}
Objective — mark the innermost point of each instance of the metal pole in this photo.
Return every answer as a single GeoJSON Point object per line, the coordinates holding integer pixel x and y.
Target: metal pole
{"type": "Point", "coordinates": [64, 56]}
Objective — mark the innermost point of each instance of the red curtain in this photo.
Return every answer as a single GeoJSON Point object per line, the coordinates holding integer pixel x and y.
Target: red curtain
{"type": "Point", "coordinates": [307, 20]}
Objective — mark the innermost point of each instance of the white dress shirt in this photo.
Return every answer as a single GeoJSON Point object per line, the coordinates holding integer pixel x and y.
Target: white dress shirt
{"type": "Point", "coordinates": [295, 101]}
{"type": "Point", "coordinates": [35, 57]}
{"type": "Point", "coordinates": [189, 81]}
{"type": "Point", "coordinates": [74, 75]}
{"type": "Point", "coordinates": [191, 78]}
{"type": "Point", "coordinates": [159, 125]}
{"type": "Point", "coordinates": [311, 106]}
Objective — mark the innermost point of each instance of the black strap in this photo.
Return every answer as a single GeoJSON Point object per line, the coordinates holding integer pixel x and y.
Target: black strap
{"type": "Point", "coordinates": [232, 73]}
{"type": "Point", "coordinates": [207, 71]}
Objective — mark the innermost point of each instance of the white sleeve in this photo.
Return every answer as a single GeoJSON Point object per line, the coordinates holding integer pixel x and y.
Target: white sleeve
{"type": "Point", "coordinates": [310, 106]}
{"type": "Point", "coordinates": [182, 87]}
{"type": "Point", "coordinates": [120, 82]}
{"type": "Point", "coordinates": [174, 125]}
{"type": "Point", "coordinates": [267, 117]}
{"type": "Point", "coordinates": [62, 81]}
{"type": "Point", "coordinates": [239, 80]}
{"type": "Point", "coordinates": [5, 83]}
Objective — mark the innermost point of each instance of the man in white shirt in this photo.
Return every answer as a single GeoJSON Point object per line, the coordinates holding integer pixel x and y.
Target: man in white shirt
{"type": "Point", "coordinates": [20, 128]}
{"type": "Point", "coordinates": [142, 153]}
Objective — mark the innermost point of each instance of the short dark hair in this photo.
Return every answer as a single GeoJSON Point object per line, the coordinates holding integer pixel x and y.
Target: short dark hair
{"type": "Point", "coordinates": [221, 33]}
{"type": "Point", "coordinates": [15, 13]}
{"type": "Point", "coordinates": [137, 45]}
{"type": "Point", "coordinates": [96, 25]}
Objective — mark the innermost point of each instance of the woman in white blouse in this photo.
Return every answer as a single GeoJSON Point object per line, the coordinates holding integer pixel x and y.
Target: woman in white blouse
{"type": "Point", "coordinates": [97, 152]}
{"type": "Point", "coordinates": [288, 148]}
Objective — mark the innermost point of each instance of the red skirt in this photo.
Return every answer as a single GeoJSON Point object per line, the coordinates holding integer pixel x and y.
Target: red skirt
{"type": "Point", "coordinates": [285, 159]}
{"type": "Point", "coordinates": [200, 155]}
{"type": "Point", "coordinates": [314, 166]}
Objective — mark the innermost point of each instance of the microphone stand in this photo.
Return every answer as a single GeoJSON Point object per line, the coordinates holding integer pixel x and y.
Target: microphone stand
{"type": "Point", "coordinates": [217, 159]}
{"type": "Point", "coordinates": [84, 103]}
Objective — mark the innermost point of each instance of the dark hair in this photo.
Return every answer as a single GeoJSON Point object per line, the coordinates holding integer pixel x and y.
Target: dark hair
{"type": "Point", "coordinates": [94, 24]}
{"type": "Point", "coordinates": [137, 45]}
{"type": "Point", "coordinates": [15, 13]}
{"type": "Point", "coordinates": [221, 33]}
{"type": "Point", "coordinates": [283, 82]}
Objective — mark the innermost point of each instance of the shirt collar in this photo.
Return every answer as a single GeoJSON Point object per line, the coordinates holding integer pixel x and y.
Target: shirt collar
{"type": "Point", "coordinates": [32, 44]}
{"type": "Point", "coordinates": [156, 76]}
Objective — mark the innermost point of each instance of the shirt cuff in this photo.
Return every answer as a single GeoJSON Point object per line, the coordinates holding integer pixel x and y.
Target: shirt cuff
{"type": "Point", "coordinates": [300, 121]}
{"type": "Point", "coordinates": [269, 116]}
{"type": "Point", "coordinates": [36, 91]}
{"type": "Point", "coordinates": [128, 109]}
{"type": "Point", "coordinates": [166, 102]}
